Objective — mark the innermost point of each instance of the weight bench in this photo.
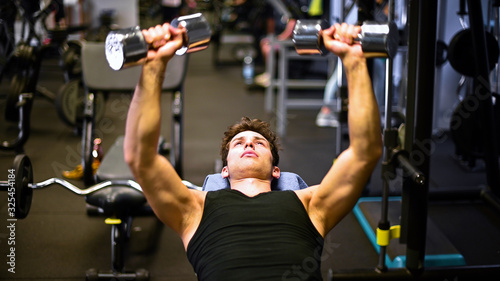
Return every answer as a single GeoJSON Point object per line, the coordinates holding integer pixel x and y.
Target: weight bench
{"type": "Point", "coordinates": [119, 203]}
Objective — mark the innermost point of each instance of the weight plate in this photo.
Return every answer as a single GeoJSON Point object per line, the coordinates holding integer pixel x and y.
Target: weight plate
{"type": "Point", "coordinates": [69, 100]}
{"type": "Point", "coordinates": [71, 61]}
{"type": "Point", "coordinates": [69, 103]}
{"type": "Point", "coordinates": [17, 86]}
{"type": "Point", "coordinates": [24, 176]}
{"type": "Point", "coordinates": [460, 56]}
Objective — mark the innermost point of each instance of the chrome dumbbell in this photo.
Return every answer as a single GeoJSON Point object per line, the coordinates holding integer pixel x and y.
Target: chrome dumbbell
{"type": "Point", "coordinates": [377, 40]}
{"type": "Point", "coordinates": [128, 47]}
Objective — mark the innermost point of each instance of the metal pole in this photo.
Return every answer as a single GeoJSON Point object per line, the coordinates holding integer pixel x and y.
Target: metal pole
{"type": "Point", "coordinates": [384, 223]}
{"type": "Point", "coordinates": [421, 70]}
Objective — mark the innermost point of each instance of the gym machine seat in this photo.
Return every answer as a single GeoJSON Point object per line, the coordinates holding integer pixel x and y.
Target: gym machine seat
{"type": "Point", "coordinates": [118, 203]}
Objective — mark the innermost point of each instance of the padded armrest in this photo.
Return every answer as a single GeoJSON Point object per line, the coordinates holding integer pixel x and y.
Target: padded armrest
{"type": "Point", "coordinates": [287, 181]}
{"type": "Point", "coordinates": [113, 166]}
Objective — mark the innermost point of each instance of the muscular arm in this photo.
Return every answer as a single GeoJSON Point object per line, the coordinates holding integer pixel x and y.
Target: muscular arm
{"type": "Point", "coordinates": [341, 187]}
{"type": "Point", "coordinates": [172, 202]}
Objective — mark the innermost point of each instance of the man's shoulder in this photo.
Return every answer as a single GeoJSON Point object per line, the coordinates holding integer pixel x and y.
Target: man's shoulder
{"type": "Point", "coordinates": [306, 194]}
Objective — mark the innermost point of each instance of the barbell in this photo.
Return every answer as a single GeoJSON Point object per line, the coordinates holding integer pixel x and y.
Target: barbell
{"type": "Point", "coordinates": [376, 39]}
{"type": "Point", "coordinates": [20, 186]}
{"type": "Point", "coordinates": [128, 47]}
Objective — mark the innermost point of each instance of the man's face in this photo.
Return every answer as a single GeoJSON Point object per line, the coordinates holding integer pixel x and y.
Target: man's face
{"type": "Point", "coordinates": [249, 156]}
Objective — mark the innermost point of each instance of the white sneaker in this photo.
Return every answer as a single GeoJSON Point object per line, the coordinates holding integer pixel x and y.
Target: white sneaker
{"type": "Point", "coordinates": [327, 118]}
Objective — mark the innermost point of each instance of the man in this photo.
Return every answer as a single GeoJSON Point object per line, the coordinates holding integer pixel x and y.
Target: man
{"type": "Point", "coordinates": [248, 232]}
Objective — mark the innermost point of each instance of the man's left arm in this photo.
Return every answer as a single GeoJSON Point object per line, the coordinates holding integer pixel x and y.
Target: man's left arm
{"type": "Point", "coordinates": [341, 187]}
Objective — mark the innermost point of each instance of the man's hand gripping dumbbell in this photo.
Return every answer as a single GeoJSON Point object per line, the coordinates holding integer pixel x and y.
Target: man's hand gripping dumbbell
{"type": "Point", "coordinates": [132, 46]}
{"type": "Point", "coordinates": [376, 40]}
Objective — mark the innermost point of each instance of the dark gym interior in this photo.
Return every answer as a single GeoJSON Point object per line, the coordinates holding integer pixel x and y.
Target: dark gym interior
{"type": "Point", "coordinates": [458, 200]}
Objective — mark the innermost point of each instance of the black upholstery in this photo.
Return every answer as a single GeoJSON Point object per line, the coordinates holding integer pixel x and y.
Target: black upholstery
{"type": "Point", "coordinates": [119, 201]}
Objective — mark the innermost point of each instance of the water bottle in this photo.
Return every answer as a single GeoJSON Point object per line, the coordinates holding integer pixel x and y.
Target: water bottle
{"type": "Point", "coordinates": [248, 69]}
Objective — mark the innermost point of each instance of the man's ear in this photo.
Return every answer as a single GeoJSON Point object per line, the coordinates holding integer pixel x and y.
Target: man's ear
{"type": "Point", "coordinates": [225, 172]}
{"type": "Point", "coordinates": [276, 172]}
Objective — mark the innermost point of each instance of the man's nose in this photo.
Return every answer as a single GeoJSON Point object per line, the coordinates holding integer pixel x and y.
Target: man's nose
{"type": "Point", "coordinates": [249, 143]}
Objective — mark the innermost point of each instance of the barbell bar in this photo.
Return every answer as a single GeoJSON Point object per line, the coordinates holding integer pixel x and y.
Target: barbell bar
{"type": "Point", "coordinates": [376, 39]}
{"type": "Point", "coordinates": [128, 47]}
{"type": "Point", "coordinates": [20, 186]}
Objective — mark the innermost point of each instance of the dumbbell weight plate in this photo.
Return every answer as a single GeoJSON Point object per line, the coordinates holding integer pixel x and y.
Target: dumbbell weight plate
{"type": "Point", "coordinates": [379, 40]}
{"type": "Point", "coordinates": [23, 172]}
{"type": "Point", "coordinates": [307, 37]}
{"type": "Point", "coordinates": [69, 103]}
{"type": "Point", "coordinates": [125, 48]}
{"type": "Point", "coordinates": [198, 33]}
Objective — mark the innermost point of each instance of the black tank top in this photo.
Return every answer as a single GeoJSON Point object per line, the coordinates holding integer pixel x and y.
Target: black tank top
{"type": "Point", "coordinates": [266, 237]}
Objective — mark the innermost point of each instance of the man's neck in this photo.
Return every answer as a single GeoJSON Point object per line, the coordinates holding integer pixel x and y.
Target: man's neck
{"type": "Point", "coordinates": [251, 186]}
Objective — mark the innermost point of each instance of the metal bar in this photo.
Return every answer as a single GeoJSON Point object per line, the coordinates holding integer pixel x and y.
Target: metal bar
{"type": "Point", "coordinates": [270, 69]}
{"type": "Point", "coordinates": [94, 188]}
{"type": "Point", "coordinates": [384, 222]}
{"type": "Point", "coordinates": [421, 69]}
{"type": "Point", "coordinates": [176, 138]}
{"type": "Point", "coordinates": [281, 110]}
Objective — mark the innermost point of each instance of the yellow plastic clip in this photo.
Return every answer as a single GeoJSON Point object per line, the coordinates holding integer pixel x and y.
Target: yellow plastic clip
{"type": "Point", "coordinates": [384, 236]}
{"type": "Point", "coordinates": [112, 221]}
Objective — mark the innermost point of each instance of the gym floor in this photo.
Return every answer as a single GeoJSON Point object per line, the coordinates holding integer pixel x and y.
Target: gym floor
{"type": "Point", "coordinates": [58, 241]}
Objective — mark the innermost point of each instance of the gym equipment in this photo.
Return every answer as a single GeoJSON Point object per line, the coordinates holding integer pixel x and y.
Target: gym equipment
{"type": "Point", "coordinates": [19, 187]}
{"type": "Point", "coordinates": [128, 47]}
{"type": "Point", "coordinates": [459, 52]}
{"type": "Point", "coordinates": [377, 40]}
{"type": "Point", "coordinates": [415, 196]}
{"type": "Point", "coordinates": [107, 80]}
{"type": "Point", "coordinates": [71, 60]}
{"type": "Point", "coordinates": [467, 122]}
{"type": "Point", "coordinates": [439, 250]}
{"type": "Point", "coordinates": [23, 67]}
{"type": "Point", "coordinates": [127, 202]}
{"type": "Point", "coordinates": [119, 201]}
{"type": "Point", "coordinates": [24, 104]}
{"type": "Point", "coordinates": [70, 102]}
{"type": "Point", "coordinates": [23, 64]}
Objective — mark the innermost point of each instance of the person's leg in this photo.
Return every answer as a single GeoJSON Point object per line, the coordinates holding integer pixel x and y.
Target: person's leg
{"type": "Point", "coordinates": [327, 116]}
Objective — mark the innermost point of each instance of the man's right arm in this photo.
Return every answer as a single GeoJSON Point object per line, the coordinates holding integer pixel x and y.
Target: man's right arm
{"type": "Point", "coordinates": [172, 202]}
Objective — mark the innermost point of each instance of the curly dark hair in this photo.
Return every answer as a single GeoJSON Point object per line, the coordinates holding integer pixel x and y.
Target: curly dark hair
{"type": "Point", "coordinates": [255, 125]}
